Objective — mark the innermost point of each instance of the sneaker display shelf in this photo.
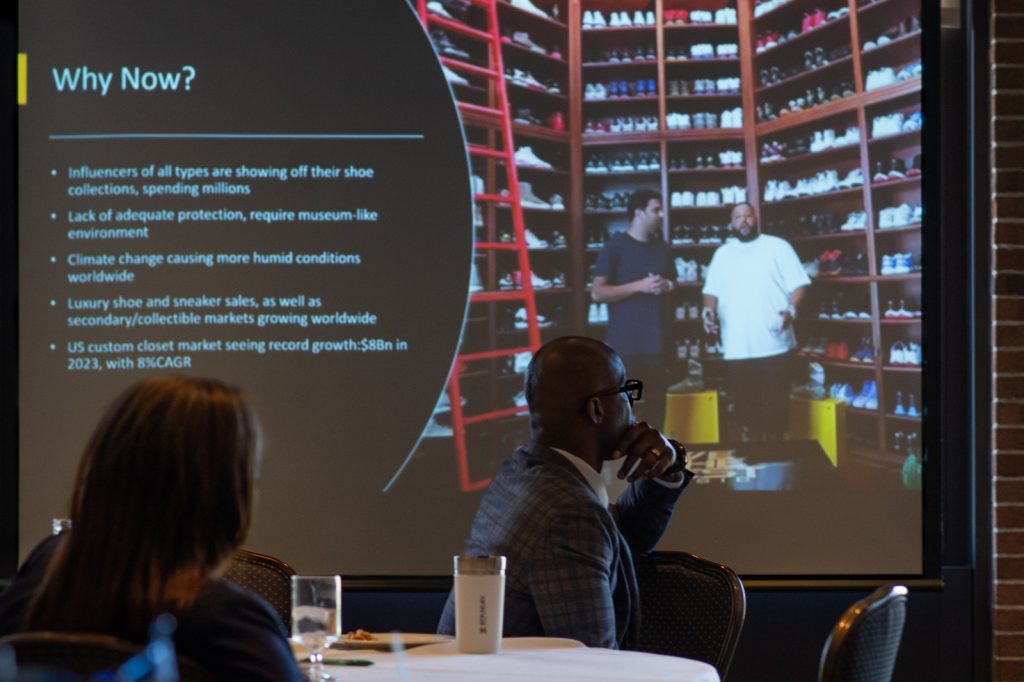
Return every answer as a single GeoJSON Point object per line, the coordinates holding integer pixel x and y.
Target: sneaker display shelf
{"type": "Point", "coordinates": [837, 103]}
{"type": "Point", "coordinates": [471, 42]}
{"type": "Point", "coordinates": [662, 110]}
{"type": "Point", "coordinates": [809, 110]}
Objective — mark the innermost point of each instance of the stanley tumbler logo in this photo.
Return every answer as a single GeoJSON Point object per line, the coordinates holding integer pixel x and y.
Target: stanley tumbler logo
{"type": "Point", "coordinates": [483, 615]}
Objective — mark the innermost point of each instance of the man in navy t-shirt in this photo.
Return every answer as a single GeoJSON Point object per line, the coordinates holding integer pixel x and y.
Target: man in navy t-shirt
{"type": "Point", "coordinates": [634, 272]}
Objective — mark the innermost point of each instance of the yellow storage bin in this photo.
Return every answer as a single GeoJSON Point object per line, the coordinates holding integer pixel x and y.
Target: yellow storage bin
{"type": "Point", "coordinates": [821, 420]}
{"type": "Point", "coordinates": [692, 417]}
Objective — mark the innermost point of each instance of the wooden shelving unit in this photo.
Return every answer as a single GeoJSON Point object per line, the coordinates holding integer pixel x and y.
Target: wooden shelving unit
{"type": "Point", "coordinates": [584, 56]}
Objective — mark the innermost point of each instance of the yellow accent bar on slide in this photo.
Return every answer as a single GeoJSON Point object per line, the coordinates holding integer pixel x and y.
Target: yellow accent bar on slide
{"type": "Point", "coordinates": [22, 78]}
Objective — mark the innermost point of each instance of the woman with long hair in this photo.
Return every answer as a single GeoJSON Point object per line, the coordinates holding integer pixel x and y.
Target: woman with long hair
{"type": "Point", "coordinates": [162, 498]}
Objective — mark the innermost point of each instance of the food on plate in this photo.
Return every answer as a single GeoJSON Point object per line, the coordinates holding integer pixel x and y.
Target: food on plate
{"type": "Point", "coordinates": [360, 635]}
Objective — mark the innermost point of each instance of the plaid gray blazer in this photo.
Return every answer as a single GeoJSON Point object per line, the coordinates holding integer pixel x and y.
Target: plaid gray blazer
{"type": "Point", "coordinates": [570, 566]}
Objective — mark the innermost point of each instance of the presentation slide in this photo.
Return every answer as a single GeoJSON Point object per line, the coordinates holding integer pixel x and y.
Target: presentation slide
{"type": "Point", "coordinates": [273, 197]}
{"type": "Point", "coordinates": [282, 197]}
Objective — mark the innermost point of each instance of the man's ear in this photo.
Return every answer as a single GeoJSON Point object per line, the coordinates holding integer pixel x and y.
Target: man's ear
{"type": "Point", "coordinates": [595, 410]}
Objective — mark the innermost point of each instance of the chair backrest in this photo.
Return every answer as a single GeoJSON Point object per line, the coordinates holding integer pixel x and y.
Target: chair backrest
{"type": "Point", "coordinates": [85, 654]}
{"type": "Point", "coordinates": [267, 576]}
{"type": "Point", "coordinates": [863, 644]}
{"type": "Point", "coordinates": [690, 607]}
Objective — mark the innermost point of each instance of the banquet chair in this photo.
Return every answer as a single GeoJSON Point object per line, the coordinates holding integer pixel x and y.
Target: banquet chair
{"type": "Point", "coordinates": [863, 644]}
{"type": "Point", "coordinates": [85, 654]}
{"type": "Point", "coordinates": [690, 607]}
{"type": "Point", "coordinates": [266, 576]}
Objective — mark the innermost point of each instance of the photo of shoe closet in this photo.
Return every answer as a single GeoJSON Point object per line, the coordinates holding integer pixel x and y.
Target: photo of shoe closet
{"type": "Point", "coordinates": [810, 110]}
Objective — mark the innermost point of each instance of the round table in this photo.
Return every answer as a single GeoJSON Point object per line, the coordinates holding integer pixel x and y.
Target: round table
{"type": "Point", "coordinates": [521, 658]}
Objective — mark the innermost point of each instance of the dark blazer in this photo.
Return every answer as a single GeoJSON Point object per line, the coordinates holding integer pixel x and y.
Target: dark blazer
{"type": "Point", "coordinates": [232, 633]}
{"type": "Point", "coordinates": [570, 569]}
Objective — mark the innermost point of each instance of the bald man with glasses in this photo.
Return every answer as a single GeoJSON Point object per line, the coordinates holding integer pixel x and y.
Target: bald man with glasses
{"type": "Point", "coordinates": [570, 552]}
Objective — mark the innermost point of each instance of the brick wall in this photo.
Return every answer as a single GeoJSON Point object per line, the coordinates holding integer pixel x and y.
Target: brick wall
{"type": "Point", "coordinates": [1007, 83]}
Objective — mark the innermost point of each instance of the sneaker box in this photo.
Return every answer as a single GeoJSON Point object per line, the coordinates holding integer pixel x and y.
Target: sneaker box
{"type": "Point", "coordinates": [821, 420]}
{"type": "Point", "coordinates": [692, 417]}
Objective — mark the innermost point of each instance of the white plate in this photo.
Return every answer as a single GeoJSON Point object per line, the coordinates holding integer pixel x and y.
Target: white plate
{"type": "Point", "coordinates": [382, 641]}
{"type": "Point", "coordinates": [507, 644]}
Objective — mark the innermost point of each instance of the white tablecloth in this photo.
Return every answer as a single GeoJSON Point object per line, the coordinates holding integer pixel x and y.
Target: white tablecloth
{"type": "Point", "coordinates": [527, 658]}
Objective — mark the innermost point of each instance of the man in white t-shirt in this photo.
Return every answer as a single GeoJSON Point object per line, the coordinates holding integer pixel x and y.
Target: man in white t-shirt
{"type": "Point", "coordinates": [754, 286]}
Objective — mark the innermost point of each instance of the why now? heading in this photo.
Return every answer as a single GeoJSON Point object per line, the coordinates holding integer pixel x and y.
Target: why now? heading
{"type": "Point", "coordinates": [84, 79]}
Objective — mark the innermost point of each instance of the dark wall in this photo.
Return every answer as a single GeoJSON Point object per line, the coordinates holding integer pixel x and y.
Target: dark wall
{"type": "Point", "coordinates": [8, 298]}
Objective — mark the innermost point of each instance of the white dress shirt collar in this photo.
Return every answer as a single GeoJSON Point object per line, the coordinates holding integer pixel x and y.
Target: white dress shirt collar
{"type": "Point", "coordinates": [592, 477]}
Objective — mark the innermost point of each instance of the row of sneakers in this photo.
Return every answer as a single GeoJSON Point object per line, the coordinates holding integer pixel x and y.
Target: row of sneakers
{"type": "Point", "coordinates": [896, 123]}
{"type": "Point", "coordinates": [680, 53]}
{"type": "Point", "coordinates": [699, 234]}
{"type": "Point", "coordinates": [445, 47]}
{"type": "Point", "coordinates": [840, 309]}
{"type": "Point", "coordinates": [727, 158]}
{"type": "Point", "coordinates": [624, 55]}
{"type": "Point", "coordinates": [812, 59]}
{"type": "Point", "coordinates": [614, 89]}
{"type": "Point", "coordinates": [903, 312]}
{"type": "Point", "coordinates": [887, 75]}
{"type": "Point", "coordinates": [452, 77]}
{"type": "Point", "coordinates": [821, 183]}
{"type": "Point", "coordinates": [907, 407]}
{"type": "Point", "coordinates": [448, 9]}
{"type": "Point", "coordinates": [900, 216]}
{"type": "Point", "coordinates": [836, 262]}
{"type": "Point", "coordinates": [812, 97]}
{"type": "Point", "coordinates": [623, 163]}
{"type": "Point", "coordinates": [690, 270]}
{"type": "Point", "coordinates": [528, 6]}
{"type": "Point", "coordinates": [818, 17]}
{"type": "Point", "coordinates": [855, 221]}
{"type": "Point", "coordinates": [730, 118]}
{"type": "Point", "coordinates": [818, 141]}
{"type": "Point", "coordinates": [811, 20]}
{"type": "Point", "coordinates": [896, 169]}
{"type": "Point", "coordinates": [764, 6]}
{"type": "Point", "coordinates": [527, 158]}
{"type": "Point", "coordinates": [597, 313]}
{"type": "Point", "coordinates": [727, 196]}
{"type": "Point", "coordinates": [621, 124]}
{"type": "Point", "coordinates": [818, 224]}
{"type": "Point", "coordinates": [840, 350]}
{"type": "Point", "coordinates": [703, 86]}
{"type": "Point", "coordinates": [523, 39]}
{"type": "Point", "coordinates": [688, 311]}
{"type": "Point", "coordinates": [527, 198]}
{"type": "Point", "coordinates": [554, 120]}
{"type": "Point", "coordinates": [596, 237]}
{"type": "Point", "coordinates": [691, 348]}
{"type": "Point", "coordinates": [606, 201]}
{"type": "Point", "coordinates": [904, 443]}
{"type": "Point", "coordinates": [557, 240]}
{"type": "Point", "coordinates": [521, 321]}
{"type": "Point", "coordinates": [898, 264]}
{"type": "Point", "coordinates": [526, 79]}
{"type": "Point", "coordinates": [905, 354]}
{"type": "Point", "coordinates": [595, 19]}
{"type": "Point", "coordinates": [867, 399]}
{"type": "Point", "coordinates": [906, 27]}
{"type": "Point", "coordinates": [514, 280]}
{"type": "Point", "coordinates": [683, 17]}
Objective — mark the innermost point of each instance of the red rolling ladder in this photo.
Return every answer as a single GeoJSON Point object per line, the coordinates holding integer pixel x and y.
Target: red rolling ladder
{"type": "Point", "coordinates": [495, 116]}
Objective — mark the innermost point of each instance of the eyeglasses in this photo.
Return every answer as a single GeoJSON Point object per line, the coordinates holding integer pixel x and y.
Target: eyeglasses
{"type": "Point", "coordinates": [633, 388]}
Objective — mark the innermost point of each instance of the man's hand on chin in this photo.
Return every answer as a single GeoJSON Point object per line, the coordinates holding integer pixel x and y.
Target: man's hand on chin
{"type": "Point", "coordinates": [648, 454]}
